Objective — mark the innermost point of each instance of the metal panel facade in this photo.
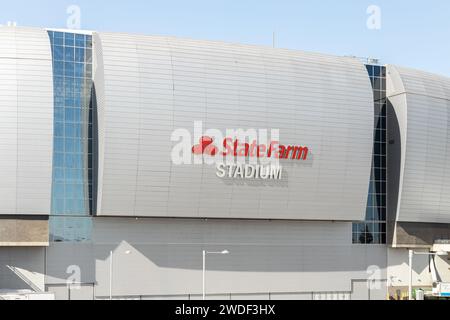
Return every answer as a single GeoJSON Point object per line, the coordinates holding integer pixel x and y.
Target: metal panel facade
{"type": "Point", "coordinates": [163, 257]}
{"type": "Point", "coordinates": [422, 103]}
{"type": "Point", "coordinates": [153, 85]}
{"type": "Point", "coordinates": [26, 121]}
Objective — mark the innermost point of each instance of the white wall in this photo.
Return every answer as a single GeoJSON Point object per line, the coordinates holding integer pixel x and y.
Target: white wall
{"type": "Point", "coordinates": [26, 121]}
{"type": "Point", "coordinates": [150, 86]}
{"type": "Point", "coordinates": [165, 258]}
{"type": "Point", "coordinates": [422, 103]}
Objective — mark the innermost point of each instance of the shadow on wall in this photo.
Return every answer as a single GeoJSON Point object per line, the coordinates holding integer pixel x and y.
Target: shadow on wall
{"type": "Point", "coordinates": [394, 156]}
{"type": "Point", "coordinates": [407, 233]}
{"type": "Point", "coordinates": [27, 272]}
{"type": "Point", "coordinates": [242, 258]}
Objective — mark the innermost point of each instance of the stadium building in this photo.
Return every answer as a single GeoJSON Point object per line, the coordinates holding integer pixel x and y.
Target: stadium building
{"type": "Point", "coordinates": [96, 204]}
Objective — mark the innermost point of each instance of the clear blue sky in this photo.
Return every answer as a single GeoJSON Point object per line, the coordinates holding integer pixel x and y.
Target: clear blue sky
{"type": "Point", "coordinates": [413, 33]}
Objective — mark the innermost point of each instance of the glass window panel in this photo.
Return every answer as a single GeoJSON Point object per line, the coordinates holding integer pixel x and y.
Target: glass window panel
{"type": "Point", "coordinates": [67, 208]}
{"type": "Point", "coordinates": [59, 100]}
{"type": "Point", "coordinates": [77, 90]}
{"type": "Point", "coordinates": [88, 54]}
{"type": "Point", "coordinates": [58, 160]}
{"type": "Point", "coordinates": [80, 83]}
{"type": "Point", "coordinates": [78, 146]}
{"type": "Point", "coordinates": [59, 205]}
{"type": "Point", "coordinates": [58, 81]}
{"type": "Point", "coordinates": [59, 114]}
{"type": "Point", "coordinates": [59, 144]}
{"type": "Point", "coordinates": [383, 150]}
{"type": "Point", "coordinates": [369, 213]}
{"type": "Point", "coordinates": [383, 162]}
{"type": "Point", "coordinates": [376, 238]}
{"type": "Point", "coordinates": [58, 67]}
{"type": "Point", "coordinates": [59, 174]}
{"type": "Point", "coordinates": [376, 227]}
{"type": "Point", "coordinates": [69, 103]}
{"type": "Point", "coordinates": [79, 192]}
{"type": "Point", "coordinates": [362, 238]}
{"type": "Point", "coordinates": [79, 70]}
{"type": "Point", "coordinates": [80, 40]}
{"type": "Point", "coordinates": [369, 228]}
{"type": "Point", "coordinates": [88, 72]}
{"type": "Point", "coordinates": [59, 130]}
{"type": "Point", "coordinates": [377, 71]}
{"type": "Point", "coordinates": [58, 41]}
{"type": "Point", "coordinates": [69, 145]}
{"type": "Point", "coordinates": [78, 175]}
{"type": "Point", "coordinates": [69, 54]}
{"type": "Point", "coordinates": [88, 41]}
{"type": "Point", "coordinates": [68, 89]}
{"type": "Point", "coordinates": [79, 55]}
{"type": "Point", "coordinates": [78, 161]}
{"type": "Point", "coordinates": [58, 53]}
{"type": "Point", "coordinates": [370, 70]}
{"type": "Point", "coordinates": [69, 130]}
{"type": "Point", "coordinates": [379, 95]}
{"type": "Point", "coordinates": [69, 39]}
{"type": "Point", "coordinates": [377, 214]}
{"type": "Point", "coordinates": [77, 132]}
{"type": "Point", "coordinates": [70, 96]}
{"type": "Point", "coordinates": [383, 110]}
{"type": "Point", "coordinates": [77, 102]}
{"type": "Point", "coordinates": [377, 84]}
{"type": "Point", "coordinates": [59, 191]}
{"type": "Point", "coordinates": [69, 161]}
{"type": "Point", "coordinates": [69, 175]}
{"type": "Point", "coordinates": [69, 114]}
{"type": "Point", "coordinates": [69, 69]}
{"type": "Point", "coordinates": [77, 115]}
{"type": "Point", "coordinates": [374, 232]}
{"type": "Point", "coordinates": [382, 201]}
{"type": "Point", "coordinates": [69, 191]}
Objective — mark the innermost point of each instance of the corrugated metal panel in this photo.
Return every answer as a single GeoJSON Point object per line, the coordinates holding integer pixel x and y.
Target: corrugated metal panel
{"type": "Point", "coordinates": [26, 121]}
{"type": "Point", "coordinates": [425, 190]}
{"type": "Point", "coordinates": [154, 85]}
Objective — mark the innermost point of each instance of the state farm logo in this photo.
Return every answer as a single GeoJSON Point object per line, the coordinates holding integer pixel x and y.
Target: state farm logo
{"type": "Point", "coordinates": [239, 153]}
{"type": "Point", "coordinates": [205, 146]}
{"type": "Point", "coordinates": [236, 148]}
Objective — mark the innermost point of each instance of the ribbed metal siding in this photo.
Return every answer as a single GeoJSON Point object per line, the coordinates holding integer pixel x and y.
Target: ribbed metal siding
{"type": "Point", "coordinates": [26, 121]}
{"type": "Point", "coordinates": [153, 85]}
{"type": "Point", "coordinates": [425, 191]}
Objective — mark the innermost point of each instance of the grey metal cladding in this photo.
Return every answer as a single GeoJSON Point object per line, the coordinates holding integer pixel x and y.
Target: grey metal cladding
{"type": "Point", "coordinates": [154, 85]}
{"type": "Point", "coordinates": [422, 103]}
{"type": "Point", "coordinates": [26, 121]}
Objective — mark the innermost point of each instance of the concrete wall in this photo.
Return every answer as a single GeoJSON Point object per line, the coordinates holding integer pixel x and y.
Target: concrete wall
{"type": "Point", "coordinates": [163, 258]}
{"type": "Point", "coordinates": [420, 235]}
{"type": "Point", "coordinates": [26, 121]}
{"type": "Point", "coordinates": [23, 231]}
{"type": "Point", "coordinates": [149, 86]}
